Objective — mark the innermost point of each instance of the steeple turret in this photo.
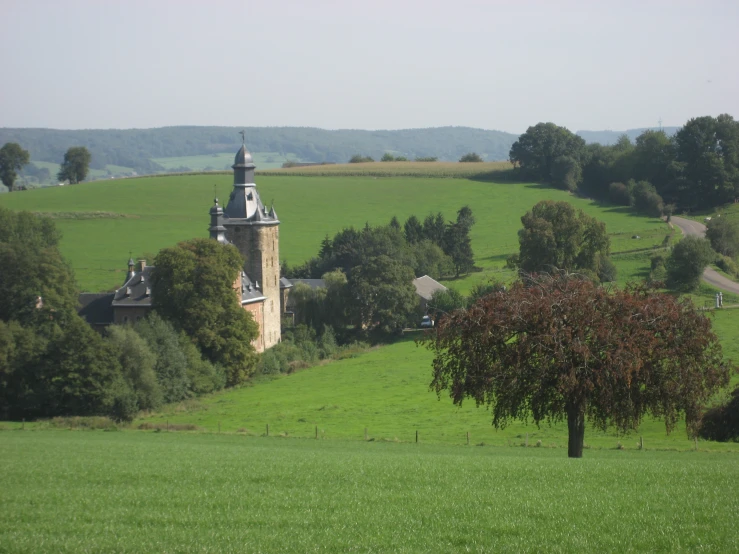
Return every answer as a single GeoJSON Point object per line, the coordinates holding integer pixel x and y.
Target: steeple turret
{"type": "Point", "coordinates": [243, 165]}
{"type": "Point", "coordinates": [217, 230]}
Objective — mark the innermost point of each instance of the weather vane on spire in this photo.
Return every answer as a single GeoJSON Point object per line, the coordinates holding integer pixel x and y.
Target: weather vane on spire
{"type": "Point", "coordinates": [243, 137]}
{"type": "Point", "coordinates": [215, 193]}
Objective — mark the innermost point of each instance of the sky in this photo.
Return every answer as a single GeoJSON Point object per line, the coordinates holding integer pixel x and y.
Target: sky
{"type": "Point", "coordinates": [377, 64]}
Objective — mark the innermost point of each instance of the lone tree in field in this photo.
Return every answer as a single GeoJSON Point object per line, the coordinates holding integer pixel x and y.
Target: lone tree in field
{"type": "Point", "coordinates": [556, 235]}
{"type": "Point", "coordinates": [12, 159]}
{"type": "Point", "coordinates": [75, 166]}
{"type": "Point", "coordinates": [471, 157]}
{"type": "Point", "coordinates": [560, 347]}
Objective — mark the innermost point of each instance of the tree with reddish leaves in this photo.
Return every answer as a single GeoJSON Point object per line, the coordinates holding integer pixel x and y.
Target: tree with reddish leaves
{"type": "Point", "coordinates": [558, 347]}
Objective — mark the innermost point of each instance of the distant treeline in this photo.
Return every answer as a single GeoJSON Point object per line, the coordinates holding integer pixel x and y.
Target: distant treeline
{"type": "Point", "coordinates": [136, 147]}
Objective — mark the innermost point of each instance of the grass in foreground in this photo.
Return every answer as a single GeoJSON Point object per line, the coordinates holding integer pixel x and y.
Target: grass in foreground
{"type": "Point", "coordinates": [159, 492]}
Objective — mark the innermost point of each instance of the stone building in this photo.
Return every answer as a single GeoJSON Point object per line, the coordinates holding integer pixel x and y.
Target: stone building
{"type": "Point", "coordinates": [247, 224]}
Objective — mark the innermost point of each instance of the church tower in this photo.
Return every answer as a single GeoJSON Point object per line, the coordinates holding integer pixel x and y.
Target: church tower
{"type": "Point", "coordinates": [254, 230]}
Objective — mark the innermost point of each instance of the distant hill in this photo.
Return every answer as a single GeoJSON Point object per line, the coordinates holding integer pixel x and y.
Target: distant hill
{"type": "Point", "coordinates": [610, 137]}
{"type": "Point", "coordinates": [135, 148]}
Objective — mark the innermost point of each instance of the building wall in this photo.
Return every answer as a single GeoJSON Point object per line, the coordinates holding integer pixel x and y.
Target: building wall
{"type": "Point", "coordinates": [260, 246]}
{"type": "Point", "coordinates": [256, 309]}
{"type": "Point", "coordinates": [131, 314]}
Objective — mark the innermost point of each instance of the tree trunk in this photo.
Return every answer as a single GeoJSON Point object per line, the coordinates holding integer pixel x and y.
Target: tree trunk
{"type": "Point", "coordinates": [576, 427]}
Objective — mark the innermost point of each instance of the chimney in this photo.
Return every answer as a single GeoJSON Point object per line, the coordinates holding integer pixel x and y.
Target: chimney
{"type": "Point", "coordinates": [142, 265]}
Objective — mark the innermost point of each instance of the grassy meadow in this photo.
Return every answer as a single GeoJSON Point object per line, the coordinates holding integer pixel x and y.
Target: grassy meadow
{"type": "Point", "coordinates": [147, 214]}
{"type": "Point", "coordinates": [169, 492]}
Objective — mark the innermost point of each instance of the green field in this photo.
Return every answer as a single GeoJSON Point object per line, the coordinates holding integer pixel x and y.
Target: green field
{"type": "Point", "coordinates": [166, 209]}
{"type": "Point", "coordinates": [167, 492]}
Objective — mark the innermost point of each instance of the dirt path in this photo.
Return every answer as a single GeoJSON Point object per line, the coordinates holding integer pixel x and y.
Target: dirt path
{"type": "Point", "coordinates": [710, 275]}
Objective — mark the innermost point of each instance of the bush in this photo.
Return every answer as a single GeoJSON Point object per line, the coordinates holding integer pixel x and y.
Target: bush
{"type": "Point", "coordinates": [686, 263]}
{"type": "Point", "coordinates": [619, 194]}
{"type": "Point", "coordinates": [645, 198]}
{"type": "Point", "coordinates": [658, 271]}
{"type": "Point", "coordinates": [721, 423]}
{"type": "Point", "coordinates": [607, 271]}
{"type": "Point", "coordinates": [566, 173]}
{"type": "Point", "coordinates": [358, 159]}
{"type": "Point", "coordinates": [470, 157]}
{"type": "Point", "coordinates": [727, 265]}
{"type": "Point", "coordinates": [724, 236]}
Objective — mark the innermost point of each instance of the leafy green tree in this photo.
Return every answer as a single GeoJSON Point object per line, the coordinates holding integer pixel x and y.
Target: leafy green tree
{"type": "Point", "coordinates": [484, 289]}
{"type": "Point", "coordinates": [536, 150]}
{"type": "Point", "coordinates": [458, 246]}
{"type": "Point", "coordinates": [170, 364]}
{"type": "Point", "coordinates": [358, 159]}
{"type": "Point", "coordinates": [192, 287]}
{"type": "Point", "coordinates": [434, 228]}
{"type": "Point", "coordinates": [137, 366]}
{"type": "Point", "coordinates": [654, 156]}
{"type": "Point", "coordinates": [557, 236]}
{"type": "Point", "coordinates": [645, 198]}
{"type": "Point", "coordinates": [444, 302]}
{"type": "Point", "coordinates": [471, 157]}
{"type": "Point", "coordinates": [387, 157]}
{"type": "Point", "coordinates": [430, 259]}
{"type": "Point", "coordinates": [707, 150]}
{"type": "Point", "coordinates": [203, 376]}
{"type": "Point", "coordinates": [723, 235]}
{"type": "Point", "coordinates": [427, 159]}
{"type": "Point", "coordinates": [12, 160]}
{"type": "Point", "coordinates": [687, 261]}
{"type": "Point", "coordinates": [561, 348]}
{"type": "Point", "coordinates": [383, 295]}
{"type": "Point", "coordinates": [619, 194]}
{"type": "Point", "coordinates": [75, 166]}
{"type": "Point", "coordinates": [566, 173]}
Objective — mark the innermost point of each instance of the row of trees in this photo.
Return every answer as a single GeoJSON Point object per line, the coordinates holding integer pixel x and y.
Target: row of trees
{"type": "Point", "coordinates": [697, 168]}
{"type": "Point", "coordinates": [388, 157]}
{"type": "Point", "coordinates": [13, 158]}
{"type": "Point", "coordinates": [52, 363]}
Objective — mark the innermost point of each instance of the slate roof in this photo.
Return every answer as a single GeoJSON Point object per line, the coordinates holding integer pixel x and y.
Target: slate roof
{"type": "Point", "coordinates": [136, 291]}
{"type": "Point", "coordinates": [285, 283]}
{"type": "Point", "coordinates": [426, 287]}
{"type": "Point", "coordinates": [251, 291]}
{"type": "Point", "coordinates": [96, 308]}
{"type": "Point", "coordinates": [312, 283]}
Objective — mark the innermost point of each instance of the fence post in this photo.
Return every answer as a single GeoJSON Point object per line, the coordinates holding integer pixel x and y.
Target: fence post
{"type": "Point", "coordinates": [641, 443]}
{"type": "Point", "coordinates": [527, 440]}
{"type": "Point", "coordinates": [365, 433]}
{"type": "Point", "coordinates": [23, 425]}
{"type": "Point", "coordinates": [219, 427]}
{"type": "Point", "coordinates": [316, 432]}
{"type": "Point", "coordinates": [416, 436]}
{"type": "Point", "coordinates": [167, 426]}
{"type": "Point", "coordinates": [468, 438]}
{"type": "Point", "coordinates": [268, 429]}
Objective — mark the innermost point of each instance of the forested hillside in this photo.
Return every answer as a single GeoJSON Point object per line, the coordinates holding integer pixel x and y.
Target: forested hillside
{"type": "Point", "coordinates": [136, 147]}
{"type": "Point", "coordinates": [607, 138]}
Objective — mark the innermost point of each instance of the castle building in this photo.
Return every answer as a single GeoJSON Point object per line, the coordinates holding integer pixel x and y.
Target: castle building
{"type": "Point", "coordinates": [252, 229]}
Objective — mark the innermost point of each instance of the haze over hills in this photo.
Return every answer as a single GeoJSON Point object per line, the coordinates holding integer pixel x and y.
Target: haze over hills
{"type": "Point", "coordinates": [138, 149]}
{"type": "Point", "coordinates": [610, 137]}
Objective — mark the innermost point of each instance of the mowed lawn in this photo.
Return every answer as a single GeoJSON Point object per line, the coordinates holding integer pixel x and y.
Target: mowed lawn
{"type": "Point", "coordinates": [168, 492]}
{"type": "Point", "coordinates": [164, 210]}
{"type": "Point", "coordinates": [386, 391]}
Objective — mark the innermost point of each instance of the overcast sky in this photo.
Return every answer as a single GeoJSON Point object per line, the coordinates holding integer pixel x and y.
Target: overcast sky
{"type": "Point", "coordinates": [373, 64]}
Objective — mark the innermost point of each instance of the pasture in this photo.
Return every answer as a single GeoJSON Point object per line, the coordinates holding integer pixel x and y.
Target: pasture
{"type": "Point", "coordinates": [147, 214]}
{"type": "Point", "coordinates": [97, 491]}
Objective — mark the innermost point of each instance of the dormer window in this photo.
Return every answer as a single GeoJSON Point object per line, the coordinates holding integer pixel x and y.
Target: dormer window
{"type": "Point", "coordinates": [128, 291]}
{"type": "Point", "coordinates": [148, 291]}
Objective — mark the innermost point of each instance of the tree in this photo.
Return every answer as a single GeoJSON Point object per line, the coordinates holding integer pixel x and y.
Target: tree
{"type": "Point", "coordinates": [687, 261]}
{"type": "Point", "coordinates": [413, 230]}
{"type": "Point", "coordinates": [557, 236]}
{"type": "Point", "coordinates": [458, 246]}
{"type": "Point", "coordinates": [170, 363]}
{"type": "Point", "coordinates": [470, 157]}
{"type": "Point", "coordinates": [12, 160]}
{"type": "Point", "coordinates": [566, 173]}
{"type": "Point", "coordinates": [645, 198]}
{"type": "Point", "coordinates": [562, 348]}
{"type": "Point", "coordinates": [192, 287]}
{"type": "Point", "coordinates": [724, 236]}
{"type": "Point", "coordinates": [137, 366]}
{"type": "Point", "coordinates": [536, 150]}
{"type": "Point", "coordinates": [445, 301]}
{"type": "Point", "coordinates": [387, 157]}
{"type": "Point", "coordinates": [75, 166]}
{"type": "Point", "coordinates": [383, 295]}
{"type": "Point", "coordinates": [358, 159]}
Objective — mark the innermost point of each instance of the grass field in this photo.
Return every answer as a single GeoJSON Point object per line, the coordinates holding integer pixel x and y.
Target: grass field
{"type": "Point", "coordinates": [164, 210]}
{"type": "Point", "coordinates": [167, 492]}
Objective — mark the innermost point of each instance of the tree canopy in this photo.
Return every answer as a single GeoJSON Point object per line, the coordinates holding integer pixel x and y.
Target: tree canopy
{"type": "Point", "coordinates": [558, 347]}
{"type": "Point", "coordinates": [537, 152]}
{"type": "Point", "coordinates": [686, 263]}
{"type": "Point", "coordinates": [193, 287]}
{"type": "Point", "coordinates": [75, 166]}
{"type": "Point", "coordinates": [555, 235]}
{"type": "Point", "coordinates": [12, 160]}
{"type": "Point", "coordinates": [471, 157]}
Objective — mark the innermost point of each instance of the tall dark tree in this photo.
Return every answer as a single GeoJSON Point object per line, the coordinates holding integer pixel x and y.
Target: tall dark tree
{"type": "Point", "coordinates": [561, 348]}
{"type": "Point", "coordinates": [555, 235]}
{"type": "Point", "coordinates": [75, 166]}
{"type": "Point", "coordinates": [536, 150]}
{"type": "Point", "coordinates": [413, 230]}
{"type": "Point", "coordinates": [193, 287]}
{"type": "Point", "coordinates": [434, 227]}
{"type": "Point", "coordinates": [12, 160]}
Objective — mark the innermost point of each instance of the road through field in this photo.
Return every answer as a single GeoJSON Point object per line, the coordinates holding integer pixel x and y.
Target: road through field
{"type": "Point", "coordinates": [710, 275]}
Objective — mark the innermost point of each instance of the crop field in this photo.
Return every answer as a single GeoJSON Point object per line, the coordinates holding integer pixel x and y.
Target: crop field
{"type": "Point", "coordinates": [221, 161]}
{"type": "Point", "coordinates": [489, 171]}
{"type": "Point", "coordinates": [137, 492]}
{"type": "Point", "coordinates": [147, 214]}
